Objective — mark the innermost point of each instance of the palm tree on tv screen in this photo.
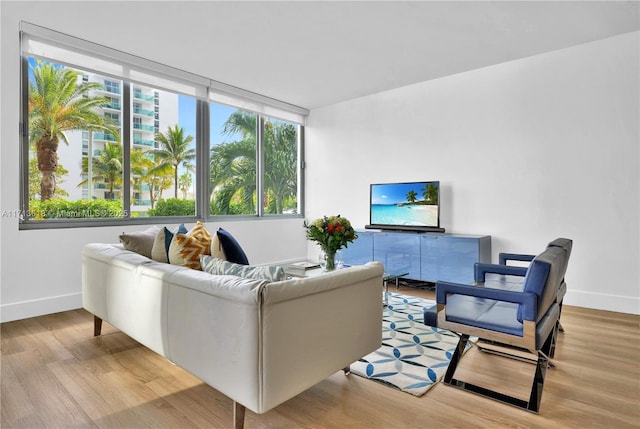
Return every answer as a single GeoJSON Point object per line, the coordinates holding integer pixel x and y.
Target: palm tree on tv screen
{"type": "Point", "coordinates": [411, 196]}
{"type": "Point", "coordinates": [175, 151]}
{"type": "Point", "coordinates": [58, 104]}
{"type": "Point", "coordinates": [430, 194]}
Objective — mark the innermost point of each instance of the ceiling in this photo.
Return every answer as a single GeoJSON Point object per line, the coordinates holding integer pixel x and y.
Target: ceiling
{"type": "Point", "coordinates": [317, 53]}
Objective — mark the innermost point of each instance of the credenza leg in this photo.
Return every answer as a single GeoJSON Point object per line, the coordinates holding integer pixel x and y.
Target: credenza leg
{"type": "Point", "coordinates": [97, 326]}
{"type": "Point", "coordinates": [238, 415]}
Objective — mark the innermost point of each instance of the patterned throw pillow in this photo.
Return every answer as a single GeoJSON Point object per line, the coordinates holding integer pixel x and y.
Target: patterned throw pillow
{"type": "Point", "coordinates": [185, 249]}
{"type": "Point", "coordinates": [217, 266]}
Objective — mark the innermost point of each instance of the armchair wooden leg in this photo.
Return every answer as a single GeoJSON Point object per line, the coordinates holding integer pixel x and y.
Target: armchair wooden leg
{"type": "Point", "coordinates": [97, 326]}
{"type": "Point", "coordinates": [238, 415]}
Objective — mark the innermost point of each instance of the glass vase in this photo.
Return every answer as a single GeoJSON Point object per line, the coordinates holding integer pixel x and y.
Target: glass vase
{"type": "Point", "coordinates": [328, 260]}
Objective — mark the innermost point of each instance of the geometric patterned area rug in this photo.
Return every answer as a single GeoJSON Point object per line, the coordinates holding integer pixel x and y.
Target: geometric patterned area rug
{"type": "Point", "coordinates": [413, 357]}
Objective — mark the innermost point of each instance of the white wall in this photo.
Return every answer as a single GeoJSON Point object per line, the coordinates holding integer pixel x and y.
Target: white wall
{"type": "Point", "coordinates": [526, 151]}
{"type": "Point", "coordinates": [41, 268]}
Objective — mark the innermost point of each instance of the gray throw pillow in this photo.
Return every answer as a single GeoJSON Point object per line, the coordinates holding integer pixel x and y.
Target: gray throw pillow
{"type": "Point", "coordinates": [140, 242]}
{"type": "Point", "coordinates": [217, 266]}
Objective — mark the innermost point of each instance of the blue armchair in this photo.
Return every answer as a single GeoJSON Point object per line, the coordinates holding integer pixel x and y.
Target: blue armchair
{"type": "Point", "coordinates": [523, 320]}
{"type": "Point", "coordinates": [504, 276]}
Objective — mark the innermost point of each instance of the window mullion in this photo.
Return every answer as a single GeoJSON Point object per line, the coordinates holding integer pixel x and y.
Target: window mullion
{"type": "Point", "coordinates": [202, 181]}
{"type": "Point", "coordinates": [260, 165]}
{"type": "Point", "coordinates": [125, 137]}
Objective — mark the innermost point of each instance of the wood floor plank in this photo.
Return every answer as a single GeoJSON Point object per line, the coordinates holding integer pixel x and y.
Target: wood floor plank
{"type": "Point", "coordinates": [55, 374]}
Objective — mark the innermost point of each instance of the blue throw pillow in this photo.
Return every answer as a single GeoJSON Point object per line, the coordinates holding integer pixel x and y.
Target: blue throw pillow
{"type": "Point", "coordinates": [232, 250]}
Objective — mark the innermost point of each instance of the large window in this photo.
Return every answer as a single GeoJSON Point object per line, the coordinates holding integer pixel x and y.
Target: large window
{"type": "Point", "coordinates": [111, 137]}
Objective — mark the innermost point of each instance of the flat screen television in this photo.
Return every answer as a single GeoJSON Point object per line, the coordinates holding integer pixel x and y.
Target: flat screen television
{"type": "Point", "coordinates": [409, 206]}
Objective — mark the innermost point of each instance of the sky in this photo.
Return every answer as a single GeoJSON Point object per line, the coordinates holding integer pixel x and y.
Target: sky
{"type": "Point", "coordinates": [393, 193]}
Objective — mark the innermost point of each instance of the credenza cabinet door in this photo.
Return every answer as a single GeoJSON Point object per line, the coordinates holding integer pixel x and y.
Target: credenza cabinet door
{"type": "Point", "coordinates": [399, 252]}
{"type": "Point", "coordinates": [361, 250]}
{"type": "Point", "coordinates": [425, 256]}
{"type": "Point", "coordinates": [452, 258]}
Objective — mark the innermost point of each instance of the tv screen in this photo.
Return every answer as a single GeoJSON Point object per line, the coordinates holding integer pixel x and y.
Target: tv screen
{"type": "Point", "coordinates": [408, 206]}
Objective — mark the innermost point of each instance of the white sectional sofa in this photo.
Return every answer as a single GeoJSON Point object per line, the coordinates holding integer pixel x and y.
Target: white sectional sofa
{"type": "Point", "coordinates": [257, 342]}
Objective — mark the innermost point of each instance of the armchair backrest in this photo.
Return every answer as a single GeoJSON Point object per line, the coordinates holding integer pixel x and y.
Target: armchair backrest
{"type": "Point", "coordinates": [567, 245]}
{"type": "Point", "coordinates": [544, 276]}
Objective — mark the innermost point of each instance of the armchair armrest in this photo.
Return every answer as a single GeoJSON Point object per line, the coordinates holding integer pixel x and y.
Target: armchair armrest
{"type": "Point", "coordinates": [528, 301]}
{"type": "Point", "coordinates": [481, 269]}
{"type": "Point", "coordinates": [504, 257]}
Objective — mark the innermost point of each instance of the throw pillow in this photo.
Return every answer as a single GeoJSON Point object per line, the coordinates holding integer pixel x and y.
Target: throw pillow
{"type": "Point", "coordinates": [185, 249]}
{"type": "Point", "coordinates": [201, 234]}
{"type": "Point", "coordinates": [140, 242]}
{"type": "Point", "coordinates": [216, 248]}
{"type": "Point", "coordinates": [217, 266]}
{"type": "Point", "coordinates": [160, 250]}
{"type": "Point", "coordinates": [231, 247]}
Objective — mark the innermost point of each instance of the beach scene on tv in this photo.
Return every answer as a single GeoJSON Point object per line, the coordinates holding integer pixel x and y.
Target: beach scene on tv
{"type": "Point", "coordinates": [414, 204]}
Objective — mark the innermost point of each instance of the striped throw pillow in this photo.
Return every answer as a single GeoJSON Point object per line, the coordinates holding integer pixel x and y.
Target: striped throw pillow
{"type": "Point", "coordinates": [217, 266]}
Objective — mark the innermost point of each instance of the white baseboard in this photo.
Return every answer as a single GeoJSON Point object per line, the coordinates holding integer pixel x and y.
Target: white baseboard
{"type": "Point", "coordinates": [55, 304]}
{"type": "Point", "coordinates": [39, 307]}
{"type": "Point", "coordinates": [603, 301]}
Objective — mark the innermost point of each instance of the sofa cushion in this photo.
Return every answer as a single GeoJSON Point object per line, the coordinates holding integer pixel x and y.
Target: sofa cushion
{"type": "Point", "coordinates": [231, 247]}
{"type": "Point", "coordinates": [218, 266]}
{"type": "Point", "coordinates": [185, 249]}
{"type": "Point", "coordinates": [140, 242]}
{"type": "Point", "coordinates": [160, 249]}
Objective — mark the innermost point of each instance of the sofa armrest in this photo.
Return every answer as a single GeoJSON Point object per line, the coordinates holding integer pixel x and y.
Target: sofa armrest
{"type": "Point", "coordinates": [299, 287]}
{"type": "Point", "coordinates": [482, 269]}
{"type": "Point", "coordinates": [503, 258]}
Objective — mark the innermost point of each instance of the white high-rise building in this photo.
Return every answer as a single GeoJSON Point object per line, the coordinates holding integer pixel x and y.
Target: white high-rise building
{"type": "Point", "coordinates": [152, 111]}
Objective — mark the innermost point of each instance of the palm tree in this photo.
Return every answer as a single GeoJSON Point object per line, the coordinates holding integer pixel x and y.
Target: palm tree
{"type": "Point", "coordinates": [430, 194]}
{"type": "Point", "coordinates": [233, 164]}
{"type": "Point", "coordinates": [281, 172]}
{"type": "Point", "coordinates": [411, 196]}
{"type": "Point", "coordinates": [233, 176]}
{"type": "Point", "coordinates": [107, 166]}
{"type": "Point", "coordinates": [185, 180]}
{"type": "Point", "coordinates": [34, 180]}
{"type": "Point", "coordinates": [57, 104]}
{"type": "Point", "coordinates": [175, 151]}
{"type": "Point", "coordinates": [146, 170]}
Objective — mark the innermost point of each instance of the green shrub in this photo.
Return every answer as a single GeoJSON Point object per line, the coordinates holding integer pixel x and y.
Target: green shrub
{"type": "Point", "coordinates": [80, 209]}
{"type": "Point", "coordinates": [174, 207]}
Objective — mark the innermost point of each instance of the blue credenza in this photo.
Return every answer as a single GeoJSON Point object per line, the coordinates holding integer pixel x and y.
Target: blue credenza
{"type": "Point", "coordinates": [426, 256]}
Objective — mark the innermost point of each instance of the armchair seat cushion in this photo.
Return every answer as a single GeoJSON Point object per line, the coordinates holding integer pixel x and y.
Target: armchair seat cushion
{"type": "Point", "coordinates": [484, 313]}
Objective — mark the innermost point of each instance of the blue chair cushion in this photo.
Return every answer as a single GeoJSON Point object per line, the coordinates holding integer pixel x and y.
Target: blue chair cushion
{"type": "Point", "coordinates": [484, 313]}
{"type": "Point", "coordinates": [232, 249]}
{"type": "Point", "coordinates": [430, 316]}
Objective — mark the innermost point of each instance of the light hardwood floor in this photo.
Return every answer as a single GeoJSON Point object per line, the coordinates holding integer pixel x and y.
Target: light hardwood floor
{"type": "Point", "coordinates": [55, 374]}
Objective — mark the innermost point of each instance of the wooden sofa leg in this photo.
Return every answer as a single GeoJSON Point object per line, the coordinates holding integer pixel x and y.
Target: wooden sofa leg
{"type": "Point", "coordinates": [97, 326]}
{"type": "Point", "coordinates": [238, 415]}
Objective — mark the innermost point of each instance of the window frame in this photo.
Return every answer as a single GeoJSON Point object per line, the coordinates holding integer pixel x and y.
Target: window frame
{"type": "Point", "coordinates": [262, 106]}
